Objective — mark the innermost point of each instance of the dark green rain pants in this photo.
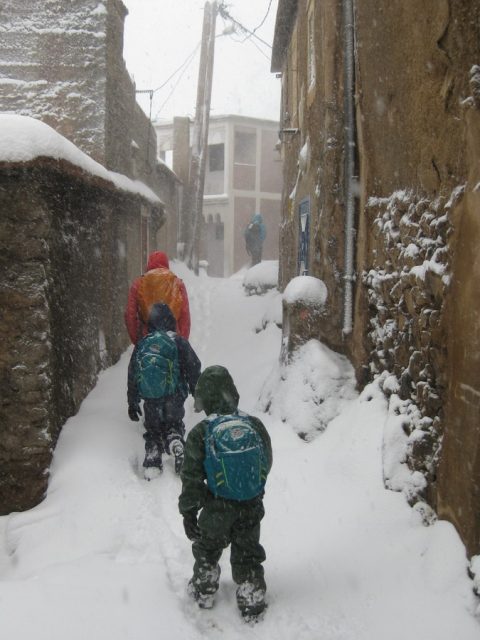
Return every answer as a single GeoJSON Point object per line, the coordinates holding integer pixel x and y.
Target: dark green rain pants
{"type": "Point", "coordinates": [222, 523]}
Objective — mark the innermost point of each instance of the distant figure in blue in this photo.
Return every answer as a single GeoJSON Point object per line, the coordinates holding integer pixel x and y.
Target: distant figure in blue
{"type": "Point", "coordinates": [255, 234]}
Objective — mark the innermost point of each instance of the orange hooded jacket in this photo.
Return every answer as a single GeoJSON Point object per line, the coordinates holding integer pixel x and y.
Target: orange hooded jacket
{"type": "Point", "coordinates": [136, 327]}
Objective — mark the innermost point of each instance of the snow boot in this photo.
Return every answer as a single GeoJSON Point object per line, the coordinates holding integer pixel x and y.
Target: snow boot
{"type": "Point", "coordinates": [203, 587]}
{"type": "Point", "coordinates": [251, 601]}
{"type": "Point", "coordinates": [152, 464]}
{"type": "Point", "coordinates": [176, 448]}
{"type": "Point", "coordinates": [204, 600]}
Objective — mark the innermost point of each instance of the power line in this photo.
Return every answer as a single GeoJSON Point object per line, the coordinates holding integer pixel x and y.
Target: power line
{"type": "Point", "coordinates": [263, 21]}
{"type": "Point", "coordinates": [185, 62]}
{"type": "Point", "coordinates": [174, 87]}
{"type": "Point", "coordinates": [257, 47]}
{"type": "Point", "coordinates": [226, 16]}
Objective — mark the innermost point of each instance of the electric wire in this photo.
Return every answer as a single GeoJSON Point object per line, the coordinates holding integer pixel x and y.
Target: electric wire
{"type": "Point", "coordinates": [185, 62]}
{"type": "Point", "coordinates": [257, 47]}
{"type": "Point", "coordinates": [173, 88]}
{"type": "Point", "coordinates": [222, 10]}
{"type": "Point", "coordinates": [263, 21]}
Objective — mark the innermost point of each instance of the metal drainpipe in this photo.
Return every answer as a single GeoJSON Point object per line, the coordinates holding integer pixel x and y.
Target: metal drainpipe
{"type": "Point", "coordinates": [349, 109]}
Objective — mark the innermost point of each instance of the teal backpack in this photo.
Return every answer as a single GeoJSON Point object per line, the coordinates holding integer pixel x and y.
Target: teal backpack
{"type": "Point", "coordinates": [157, 371]}
{"type": "Point", "coordinates": [236, 459]}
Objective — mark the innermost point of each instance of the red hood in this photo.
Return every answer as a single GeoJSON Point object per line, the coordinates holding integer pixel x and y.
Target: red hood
{"type": "Point", "coordinates": [157, 259]}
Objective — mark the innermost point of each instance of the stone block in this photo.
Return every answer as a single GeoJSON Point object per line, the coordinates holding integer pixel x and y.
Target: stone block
{"type": "Point", "coordinates": [425, 339]}
{"type": "Point", "coordinates": [415, 365]}
{"type": "Point", "coordinates": [435, 285]}
{"type": "Point", "coordinates": [425, 224]}
{"type": "Point", "coordinates": [408, 230]}
{"type": "Point", "coordinates": [437, 357]}
{"type": "Point", "coordinates": [424, 319]}
{"type": "Point", "coordinates": [432, 403]}
{"type": "Point", "coordinates": [409, 301]}
{"type": "Point", "coordinates": [422, 448]}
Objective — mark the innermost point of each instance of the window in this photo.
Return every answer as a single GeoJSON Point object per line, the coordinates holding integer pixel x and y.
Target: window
{"type": "Point", "coordinates": [219, 233]}
{"type": "Point", "coordinates": [245, 147]}
{"type": "Point", "coordinates": [303, 236]}
{"type": "Point", "coordinates": [216, 157]}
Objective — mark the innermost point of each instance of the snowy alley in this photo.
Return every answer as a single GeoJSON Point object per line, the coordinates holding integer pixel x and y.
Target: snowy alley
{"type": "Point", "coordinates": [104, 556]}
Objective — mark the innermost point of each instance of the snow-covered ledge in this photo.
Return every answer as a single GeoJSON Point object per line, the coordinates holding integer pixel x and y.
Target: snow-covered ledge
{"type": "Point", "coordinates": [306, 290]}
{"type": "Point", "coordinates": [304, 302]}
{"type": "Point", "coordinates": [22, 139]}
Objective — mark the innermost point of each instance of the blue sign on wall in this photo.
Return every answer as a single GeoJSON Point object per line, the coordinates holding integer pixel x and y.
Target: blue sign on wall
{"type": "Point", "coordinates": [303, 236]}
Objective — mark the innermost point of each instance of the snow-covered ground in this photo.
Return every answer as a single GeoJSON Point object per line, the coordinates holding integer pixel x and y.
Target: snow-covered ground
{"type": "Point", "coordinates": [104, 557]}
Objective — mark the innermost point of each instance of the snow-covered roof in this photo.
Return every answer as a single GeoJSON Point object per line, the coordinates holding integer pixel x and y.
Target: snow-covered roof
{"type": "Point", "coordinates": [22, 139]}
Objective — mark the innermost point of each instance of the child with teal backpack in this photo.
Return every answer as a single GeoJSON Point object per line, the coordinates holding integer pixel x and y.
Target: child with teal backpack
{"type": "Point", "coordinates": [228, 456]}
{"type": "Point", "coordinates": [163, 369]}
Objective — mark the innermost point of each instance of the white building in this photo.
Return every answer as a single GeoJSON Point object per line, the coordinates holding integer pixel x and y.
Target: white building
{"type": "Point", "coordinates": [243, 176]}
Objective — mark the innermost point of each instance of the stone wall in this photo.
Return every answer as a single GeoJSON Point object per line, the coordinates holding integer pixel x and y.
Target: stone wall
{"type": "Point", "coordinates": [417, 303]}
{"type": "Point", "coordinates": [458, 486]}
{"type": "Point", "coordinates": [68, 250]}
{"type": "Point", "coordinates": [406, 286]}
{"type": "Point", "coordinates": [416, 195]}
{"type": "Point", "coordinates": [313, 159]}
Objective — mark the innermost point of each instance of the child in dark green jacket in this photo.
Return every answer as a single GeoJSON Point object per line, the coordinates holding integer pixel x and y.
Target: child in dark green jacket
{"type": "Point", "coordinates": [222, 522]}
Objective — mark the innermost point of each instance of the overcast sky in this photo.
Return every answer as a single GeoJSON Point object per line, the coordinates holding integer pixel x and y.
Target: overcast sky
{"type": "Point", "coordinates": [161, 35]}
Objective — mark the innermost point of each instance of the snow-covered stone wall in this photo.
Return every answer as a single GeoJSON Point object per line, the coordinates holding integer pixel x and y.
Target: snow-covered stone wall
{"type": "Point", "coordinates": [406, 288]}
{"type": "Point", "coordinates": [416, 309]}
{"type": "Point", "coordinates": [70, 243]}
{"type": "Point", "coordinates": [418, 148]}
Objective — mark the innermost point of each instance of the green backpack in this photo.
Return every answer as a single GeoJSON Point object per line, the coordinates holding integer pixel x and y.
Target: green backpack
{"type": "Point", "coordinates": [157, 368]}
{"type": "Point", "coordinates": [236, 460]}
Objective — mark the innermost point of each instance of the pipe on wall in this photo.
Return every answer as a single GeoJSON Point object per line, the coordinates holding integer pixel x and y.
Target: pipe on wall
{"type": "Point", "coordinates": [349, 177]}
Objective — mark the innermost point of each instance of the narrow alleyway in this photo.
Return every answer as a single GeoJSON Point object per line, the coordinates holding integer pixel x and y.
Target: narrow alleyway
{"type": "Point", "coordinates": [104, 557]}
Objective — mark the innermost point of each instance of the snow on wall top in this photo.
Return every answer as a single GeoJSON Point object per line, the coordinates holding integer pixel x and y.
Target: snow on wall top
{"type": "Point", "coordinates": [23, 139]}
{"type": "Point", "coordinates": [306, 289]}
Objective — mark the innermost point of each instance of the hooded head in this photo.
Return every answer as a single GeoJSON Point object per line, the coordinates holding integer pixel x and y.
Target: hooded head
{"type": "Point", "coordinates": [257, 217]}
{"type": "Point", "coordinates": [156, 260]}
{"type": "Point", "coordinates": [161, 318]}
{"type": "Point", "coordinates": [216, 392]}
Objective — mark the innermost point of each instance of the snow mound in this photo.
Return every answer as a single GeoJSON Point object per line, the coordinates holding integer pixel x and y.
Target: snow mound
{"type": "Point", "coordinates": [311, 390]}
{"type": "Point", "coordinates": [306, 289]}
{"type": "Point", "coordinates": [273, 313]}
{"type": "Point", "coordinates": [261, 277]}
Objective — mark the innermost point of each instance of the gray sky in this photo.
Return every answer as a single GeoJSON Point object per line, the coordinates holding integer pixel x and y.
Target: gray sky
{"type": "Point", "coordinates": [160, 35]}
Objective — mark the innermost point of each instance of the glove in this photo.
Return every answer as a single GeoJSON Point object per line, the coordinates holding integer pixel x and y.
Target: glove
{"type": "Point", "coordinates": [134, 412]}
{"type": "Point", "coordinates": [192, 530]}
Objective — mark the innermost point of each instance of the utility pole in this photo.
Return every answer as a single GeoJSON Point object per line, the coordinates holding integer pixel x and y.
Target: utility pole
{"type": "Point", "coordinates": [194, 196]}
